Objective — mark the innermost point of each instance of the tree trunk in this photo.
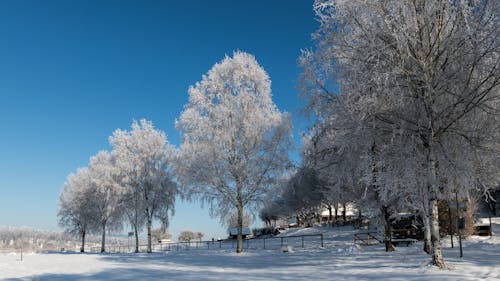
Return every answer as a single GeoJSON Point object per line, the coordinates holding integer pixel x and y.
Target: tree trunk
{"type": "Point", "coordinates": [336, 212]}
{"type": "Point", "coordinates": [330, 215]}
{"type": "Point", "coordinates": [450, 223]}
{"type": "Point", "coordinates": [103, 239]}
{"type": "Point", "coordinates": [360, 219]}
{"type": "Point", "coordinates": [136, 233]}
{"type": "Point", "coordinates": [149, 250]}
{"type": "Point", "coordinates": [387, 230]}
{"type": "Point", "coordinates": [239, 248]}
{"type": "Point", "coordinates": [427, 234]}
{"type": "Point", "coordinates": [437, 254]}
{"type": "Point", "coordinates": [82, 248]}
{"type": "Point", "coordinates": [344, 213]}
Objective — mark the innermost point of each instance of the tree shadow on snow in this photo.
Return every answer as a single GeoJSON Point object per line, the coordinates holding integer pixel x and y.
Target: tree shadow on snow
{"type": "Point", "coordinates": [190, 266]}
{"type": "Point", "coordinates": [122, 274]}
{"type": "Point", "coordinates": [210, 259]}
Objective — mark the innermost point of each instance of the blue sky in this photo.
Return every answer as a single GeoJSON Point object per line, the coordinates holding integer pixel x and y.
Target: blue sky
{"type": "Point", "coordinates": [71, 72]}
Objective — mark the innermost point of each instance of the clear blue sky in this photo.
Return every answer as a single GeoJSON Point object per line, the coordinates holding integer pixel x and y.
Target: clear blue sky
{"type": "Point", "coordinates": [71, 72]}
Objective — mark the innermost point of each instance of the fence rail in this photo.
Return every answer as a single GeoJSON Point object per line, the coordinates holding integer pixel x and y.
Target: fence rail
{"type": "Point", "coordinates": [297, 241]}
{"type": "Point", "coordinates": [367, 238]}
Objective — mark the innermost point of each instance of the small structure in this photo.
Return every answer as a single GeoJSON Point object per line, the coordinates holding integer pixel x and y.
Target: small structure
{"type": "Point", "coordinates": [246, 232]}
{"type": "Point", "coordinates": [406, 228]}
{"type": "Point", "coordinates": [482, 227]}
{"type": "Point", "coordinates": [165, 241]}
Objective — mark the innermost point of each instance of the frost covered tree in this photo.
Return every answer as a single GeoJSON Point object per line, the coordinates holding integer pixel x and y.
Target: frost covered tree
{"type": "Point", "coordinates": [234, 139]}
{"type": "Point", "coordinates": [76, 212]}
{"type": "Point", "coordinates": [91, 199]}
{"type": "Point", "coordinates": [303, 195]}
{"type": "Point", "coordinates": [107, 194]}
{"type": "Point", "coordinates": [428, 72]}
{"type": "Point", "coordinates": [144, 158]}
{"type": "Point", "coordinates": [330, 157]}
{"type": "Point", "coordinates": [274, 210]}
{"type": "Point", "coordinates": [300, 195]}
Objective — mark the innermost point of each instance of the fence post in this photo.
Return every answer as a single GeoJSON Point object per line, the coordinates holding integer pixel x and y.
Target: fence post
{"type": "Point", "coordinates": [220, 244]}
{"type": "Point", "coordinates": [322, 241]}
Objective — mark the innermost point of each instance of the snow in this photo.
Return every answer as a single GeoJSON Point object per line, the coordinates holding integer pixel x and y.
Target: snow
{"type": "Point", "coordinates": [340, 259]}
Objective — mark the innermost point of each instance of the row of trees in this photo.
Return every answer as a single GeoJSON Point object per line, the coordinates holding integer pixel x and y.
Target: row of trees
{"type": "Point", "coordinates": [235, 145]}
{"type": "Point", "coordinates": [188, 236]}
{"type": "Point", "coordinates": [133, 183]}
{"type": "Point", "coordinates": [30, 239]}
{"type": "Point", "coordinates": [405, 95]}
{"type": "Point", "coordinates": [405, 98]}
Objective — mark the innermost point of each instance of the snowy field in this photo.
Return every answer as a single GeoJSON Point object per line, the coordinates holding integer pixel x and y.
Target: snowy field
{"type": "Point", "coordinates": [338, 260]}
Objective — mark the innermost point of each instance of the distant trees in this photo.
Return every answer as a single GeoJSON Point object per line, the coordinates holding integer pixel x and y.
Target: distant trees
{"type": "Point", "coordinates": [303, 195]}
{"type": "Point", "coordinates": [199, 235]}
{"type": "Point", "coordinates": [33, 240]}
{"type": "Point", "coordinates": [234, 140]}
{"type": "Point", "coordinates": [411, 90]}
{"type": "Point", "coordinates": [186, 236]}
{"type": "Point", "coordinates": [159, 234]}
{"type": "Point", "coordinates": [134, 179]}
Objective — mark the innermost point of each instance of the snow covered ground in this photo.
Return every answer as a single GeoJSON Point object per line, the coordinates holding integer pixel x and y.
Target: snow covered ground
{"type": "Point", "coordinates": [338, 260]}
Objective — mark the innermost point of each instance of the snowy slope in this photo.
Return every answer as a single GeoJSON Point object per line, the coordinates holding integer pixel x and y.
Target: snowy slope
{"type": "Point", "coordinates": [338, 260]}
